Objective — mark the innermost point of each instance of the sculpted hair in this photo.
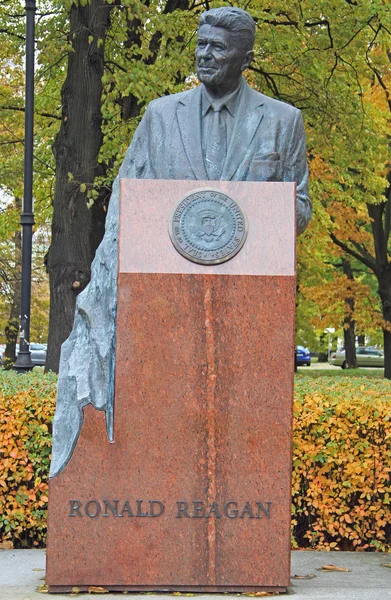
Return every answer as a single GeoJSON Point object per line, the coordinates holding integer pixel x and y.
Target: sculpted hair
{"type": "Point", "coordinates": [232, 19]}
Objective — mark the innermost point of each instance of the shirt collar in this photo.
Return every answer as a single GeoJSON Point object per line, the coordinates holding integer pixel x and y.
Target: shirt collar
{"type": "Point", "coordinates": [230, 101]}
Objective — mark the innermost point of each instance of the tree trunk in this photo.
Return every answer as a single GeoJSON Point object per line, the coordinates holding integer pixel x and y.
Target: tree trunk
{"type": "Point", "coordinates": [349, 325]}
{"type": "Point", "coordinates": [384, 279]}
{"type": "Point", "coordinates": [76, 229]}
{"type": "Point", "coordinates": [361, 339]}
{"type": "Point", "coordinates": [12, 327]}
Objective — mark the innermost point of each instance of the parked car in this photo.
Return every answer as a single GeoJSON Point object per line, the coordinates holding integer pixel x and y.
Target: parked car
{"type": "Point", "coordinates": [303, 356]}
{"type": "Point", "coordinates": [38, 354]}
{"type": "Point", "coordinates": [366, 357]}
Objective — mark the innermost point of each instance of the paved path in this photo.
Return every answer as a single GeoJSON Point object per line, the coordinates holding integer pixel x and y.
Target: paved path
{"type": "Point", "coordinates": [23, 571]}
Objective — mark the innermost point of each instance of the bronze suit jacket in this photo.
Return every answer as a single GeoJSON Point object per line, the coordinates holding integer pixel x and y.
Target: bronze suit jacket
{"type": "Point", "coordinates": [267, 143]}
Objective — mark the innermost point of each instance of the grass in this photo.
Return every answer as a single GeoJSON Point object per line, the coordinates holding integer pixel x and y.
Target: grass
{"type": "Point", "coordinates": [340, 373]}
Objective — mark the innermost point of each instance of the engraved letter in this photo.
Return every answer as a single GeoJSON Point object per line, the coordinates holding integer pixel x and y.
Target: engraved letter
{"type": "Point", "coordinates": [160, 505]}
{"type": "Point", "coordinates": [231, 514]}
{"type": "Point", "coordinates": [97, 509]}
{"type": "Point", "coordinates": [139, 511]}
{"type": "Point", "coordinates": [213, 509]}
{"type": "Point", "coordinates": [247, 511]}
{"type": "Point", "coordinates": [263, 509]}
{"type": "Point", "coordinates": [199, 509]}
{"type": "Point", "coordinates": [109, 506]}
{"type": "Point", "coordinates": [182, 510]}
{"type": "Point", "coordinates": [75, 506]}
{"type": "Point", "coordinates": [126, 508]}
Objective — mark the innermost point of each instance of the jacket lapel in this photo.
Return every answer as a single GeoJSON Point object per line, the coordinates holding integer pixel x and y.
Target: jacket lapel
{"type": "Point", "coordinates": [247, 119]}
{"type": "Point", "coordinates": [189, 120]}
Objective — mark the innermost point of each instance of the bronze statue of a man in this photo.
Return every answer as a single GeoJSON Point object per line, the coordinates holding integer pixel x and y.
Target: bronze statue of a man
{"type": "Point", "coordinates": [221, 130]}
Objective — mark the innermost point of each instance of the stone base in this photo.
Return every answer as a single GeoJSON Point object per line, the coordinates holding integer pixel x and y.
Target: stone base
{"type": "Point", "coordinates": [195, 492]}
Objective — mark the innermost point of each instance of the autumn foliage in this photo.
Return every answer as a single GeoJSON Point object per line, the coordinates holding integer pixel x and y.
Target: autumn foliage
{"type": "Point", "coordinates": [342, 464]}
{"type": "Point", "coordinates": [341, 461]}
{"type": "Point", "coordinates": [26, 410]}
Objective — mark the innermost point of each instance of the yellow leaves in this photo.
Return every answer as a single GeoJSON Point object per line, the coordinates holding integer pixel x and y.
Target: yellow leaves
{"type": "Point", "coordinates": [97, 590]}
{"type": "Point", "coordinates": [258, 594]}
{"type": "Point", "coordinates": [341, 463]}
{"type": "Point", "coordinates": [334, 568]}
{"type": "Point", "coordinates": [26, 409]}
{"type": "Point", "coordinates": [347, 518]}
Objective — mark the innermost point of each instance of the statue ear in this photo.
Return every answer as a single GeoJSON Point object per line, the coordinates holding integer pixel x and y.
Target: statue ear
{"type": "Point", "coordinates": [247, 59]}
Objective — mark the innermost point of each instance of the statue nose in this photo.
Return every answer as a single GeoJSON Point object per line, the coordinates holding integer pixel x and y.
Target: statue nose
{"type": "Point", "coordinates": [205, 52]}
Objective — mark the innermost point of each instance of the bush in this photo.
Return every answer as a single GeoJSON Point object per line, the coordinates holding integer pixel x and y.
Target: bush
{"type": "Point", "coordinates": [341, 461]}
{"type": "Point", "coordinates": [26, 410]}
{"type": "Point", "coordinates": [342, 464]}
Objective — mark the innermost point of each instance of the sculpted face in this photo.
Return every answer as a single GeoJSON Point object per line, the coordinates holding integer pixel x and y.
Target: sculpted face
{"type": "Point", "coordinates": [219, 60]}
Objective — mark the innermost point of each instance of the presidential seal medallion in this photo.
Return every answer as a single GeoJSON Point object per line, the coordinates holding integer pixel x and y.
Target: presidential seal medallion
{"type": "Point", "coordinates": [208, 227]}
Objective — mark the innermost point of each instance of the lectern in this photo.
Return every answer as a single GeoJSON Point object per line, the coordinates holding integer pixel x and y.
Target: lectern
{"type": "Point", "coordinates": [194, 494]}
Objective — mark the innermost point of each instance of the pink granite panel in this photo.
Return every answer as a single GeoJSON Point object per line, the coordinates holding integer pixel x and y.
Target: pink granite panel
{"type": "Point", "coordinates": [146, 208]}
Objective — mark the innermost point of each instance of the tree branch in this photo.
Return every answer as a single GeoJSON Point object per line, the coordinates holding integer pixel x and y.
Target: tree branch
{"type": "Point", "coordinates": [11, 33]}
{"type": "Point", "coordinates": [370, 263]}
{"type": "Point", "coordinates": [22, 109]}
{"type": "Point", "coordinates": [12, 142]}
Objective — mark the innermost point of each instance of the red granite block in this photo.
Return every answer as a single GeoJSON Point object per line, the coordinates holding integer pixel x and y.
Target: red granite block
{"type": "Point", "coordinates": [198, 480]}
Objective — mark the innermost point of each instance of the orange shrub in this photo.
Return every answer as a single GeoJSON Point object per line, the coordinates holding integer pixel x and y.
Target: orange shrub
{"type": "Point", "coordinates": [26, 411]}
{"type": "Point", "coordinates": [342, 463]}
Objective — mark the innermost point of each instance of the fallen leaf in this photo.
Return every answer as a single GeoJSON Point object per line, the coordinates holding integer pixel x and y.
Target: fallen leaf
{"type": "Point", "coordinates": [333, 568]}
{"type": "Point", "coordinates": [38, 569]}
{"type": "Point", "coordinates": [43, 589]}
{"type": "Point", "coordinates": [310, 576]}
{"type": "Point", "coordinates": [96, 590]}
{"type": "Point", "coordinates": [177, 594]}
{"type": "Point", "coordinates": [6, 545]}
{"type": "Point", "coordinates": [386, 565]}
{"type": "Point", "coordinates": [75, 590]}
{"type": "Point", "coordinates": [258, 594]}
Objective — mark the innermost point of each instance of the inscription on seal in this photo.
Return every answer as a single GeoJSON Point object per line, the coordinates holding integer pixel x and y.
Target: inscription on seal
{"type": "Point", "coordinates": [208, 227]}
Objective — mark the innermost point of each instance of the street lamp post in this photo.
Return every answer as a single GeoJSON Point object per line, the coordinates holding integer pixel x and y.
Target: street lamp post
{"type": "Point", "coordinates": [23, 362]}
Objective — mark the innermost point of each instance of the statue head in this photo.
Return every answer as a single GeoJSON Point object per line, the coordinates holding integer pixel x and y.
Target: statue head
{"type": "Point", "coordinates": [224, 48]}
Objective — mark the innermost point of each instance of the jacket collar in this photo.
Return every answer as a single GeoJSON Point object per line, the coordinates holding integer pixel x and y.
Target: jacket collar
{"type": "Point", "coordinates": [248, 117]}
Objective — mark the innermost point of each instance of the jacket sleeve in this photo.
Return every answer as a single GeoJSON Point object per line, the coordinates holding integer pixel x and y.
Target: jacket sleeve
{"type": "Point", "coordinates": [135, 164]}
{"type": "Point", "coordinates": [297, 170]}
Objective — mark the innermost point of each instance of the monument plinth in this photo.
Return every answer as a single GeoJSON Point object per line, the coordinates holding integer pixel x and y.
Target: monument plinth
{"type": "Point", "coordinates": [194, 493]}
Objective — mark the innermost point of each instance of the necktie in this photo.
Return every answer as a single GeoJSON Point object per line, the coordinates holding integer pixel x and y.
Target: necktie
{"type": "Point", "coordinates": [216, 142]}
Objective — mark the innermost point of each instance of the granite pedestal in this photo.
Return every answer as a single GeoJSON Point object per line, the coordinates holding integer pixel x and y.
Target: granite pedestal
{"type": "Point", "coordinates": [194, 493]}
